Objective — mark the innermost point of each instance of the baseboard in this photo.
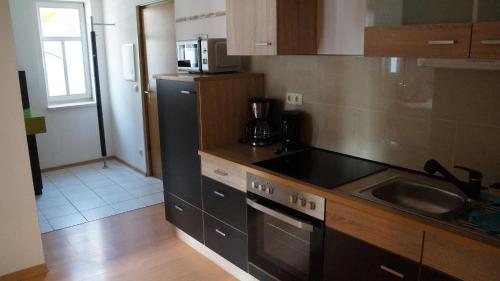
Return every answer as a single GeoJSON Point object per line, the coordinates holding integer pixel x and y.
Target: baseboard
{"type": "Point", "coordinates": [71, 165]}
{"type": "Point", "coordinates": [214, 257]}
{"type": "Point", "coordinates": [26, 273]}
{"type": "Point", "coordinates": [82, 163]}
{"type": "Point", "coordinates": [128, 164]}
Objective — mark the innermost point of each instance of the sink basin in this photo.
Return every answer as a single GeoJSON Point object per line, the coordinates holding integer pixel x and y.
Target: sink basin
{"type": "Point", "coordinates": [417, 198]}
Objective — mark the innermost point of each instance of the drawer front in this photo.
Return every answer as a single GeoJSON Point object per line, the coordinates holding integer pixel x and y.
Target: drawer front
{"type": "Point", "coordinates": [485, 40]}
{"type": "Point", "coordinates": [184, 216]}
{"type": "Point", "coordinates": [402, 240]}
{"type": "Point", "coordinates": [229, 174]}
{"type": "Point", "coordinates": [226, 241]}
{"type": "Point", "coordinates": [419, 41]}
{"type": "Point", "coordinates": [347, 259]}
{"type": "Point", "coordinates": [218, 198]}
{"type": "Point", "coordinates": [462, 258]}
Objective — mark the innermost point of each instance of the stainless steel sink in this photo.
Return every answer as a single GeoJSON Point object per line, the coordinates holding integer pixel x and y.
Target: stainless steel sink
{"type": "Point", "coordinates": [417, 198]}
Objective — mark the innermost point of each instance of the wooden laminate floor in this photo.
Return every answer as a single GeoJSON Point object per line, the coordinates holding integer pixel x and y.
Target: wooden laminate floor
{"type": "Point", "coordinates": [138, 245]}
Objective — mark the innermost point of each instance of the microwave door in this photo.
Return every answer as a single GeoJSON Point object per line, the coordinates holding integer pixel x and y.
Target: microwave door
{"type": "Point", "coordinates": [192, 55]}
{"type": "Point", "coordinates": [181, 56]}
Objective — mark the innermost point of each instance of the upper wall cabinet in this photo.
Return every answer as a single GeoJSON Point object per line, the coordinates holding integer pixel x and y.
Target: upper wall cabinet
{"type": "Point", "coordinates": [341, 25]}
{"type": "Point", "coordinates": [486, 31]}
{"type": "Point", "coordinates": [271, 27]}
{"type": "Point", "coordinates": [419, 28]}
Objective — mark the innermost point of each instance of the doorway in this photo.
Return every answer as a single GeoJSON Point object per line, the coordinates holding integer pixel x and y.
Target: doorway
{"type": "Point", "coordinates": [158, 55]}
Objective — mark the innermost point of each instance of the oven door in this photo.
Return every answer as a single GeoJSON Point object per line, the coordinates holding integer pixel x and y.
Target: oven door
{"type": "Point", "coordinates": [188, 57]}
{"type": "Point", "coordinates": [283, 244]}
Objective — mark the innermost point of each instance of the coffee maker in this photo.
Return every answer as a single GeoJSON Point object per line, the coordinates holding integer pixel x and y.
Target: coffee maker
{"type": "Point", "coordinates": [290, 130]}
{"type": "Point", "coordinates": [259, 131]}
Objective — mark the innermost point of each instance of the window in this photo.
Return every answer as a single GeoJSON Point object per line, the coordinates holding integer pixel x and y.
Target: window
{"type": "Point", "coordinates": [65, 52]}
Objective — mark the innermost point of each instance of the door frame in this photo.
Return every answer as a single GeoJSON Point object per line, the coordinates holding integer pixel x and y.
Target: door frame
{"type": "Point", "coordinates": [144, 81]}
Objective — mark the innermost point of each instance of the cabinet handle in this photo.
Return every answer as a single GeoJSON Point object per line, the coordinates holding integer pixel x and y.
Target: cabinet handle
{"type": "Point", "coordinates": [441, 42]}
{"type": "Point", "coordinates": [187, 92]}
{"type": "Point", "coordinates": [220, 233]}
{"type": "Point", "coordinates": [490, 42]}
{"type": "Point", "coordinates": [260, 44]}
{"type": "Point", "coordinates": [392, 271]}
{"type": "Point", "coordinates": [221, 172]}
{"type": "Point", "coordinates": [179, 208]}
{"type": "Point", "coordinates": [221, 195]}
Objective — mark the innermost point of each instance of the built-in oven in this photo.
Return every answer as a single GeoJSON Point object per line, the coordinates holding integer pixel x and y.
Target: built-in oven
{"type": "Point", "coordinates": [285, 232]}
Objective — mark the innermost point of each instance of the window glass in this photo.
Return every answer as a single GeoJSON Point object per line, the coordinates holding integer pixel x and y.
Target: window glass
{"type": "Point", "coordinates": [60, 22]}
{"type": "Point", "coordinates": [54, 68]}
{"type": "Point", "coordinates": [75, 67]}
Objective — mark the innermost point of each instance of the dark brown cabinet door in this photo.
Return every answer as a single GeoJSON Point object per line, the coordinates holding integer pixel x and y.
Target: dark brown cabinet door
{"type": "Point", "coordinates": [226, 241]}
{"type": "Point", "coordinates": [348, 259]}
{"type": "Point", "coordinates": [179, 138]}
{"type": "Point", "coordinates": [184, 216]}
{"type": "Point", "coordinates": [225, 203]}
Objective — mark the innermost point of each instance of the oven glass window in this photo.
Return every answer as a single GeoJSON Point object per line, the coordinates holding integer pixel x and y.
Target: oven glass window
{"type": "Point", "coordinates": [280, 248]}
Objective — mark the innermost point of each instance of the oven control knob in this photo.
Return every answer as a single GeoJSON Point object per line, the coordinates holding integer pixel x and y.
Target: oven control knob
{"type": "Point", "coordinates": [270, 190]}
{"type": "Point", "coordinates": [253, 185]}
{"type": "Point", "coordinates": [294, 199]}
{"type": "Point", "coordinates": [303, 202]}
{"type": "Point", "coordinates": [263, 187]}
{"type": "Point", "coordinates": [312, 205]}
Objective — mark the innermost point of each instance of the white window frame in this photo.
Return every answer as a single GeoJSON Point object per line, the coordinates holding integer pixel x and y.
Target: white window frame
{"type": "Point", "coordinates": [68, 99]}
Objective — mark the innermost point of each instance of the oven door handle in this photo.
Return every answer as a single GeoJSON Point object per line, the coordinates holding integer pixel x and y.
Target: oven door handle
{"type": "Point", "coordinates": [277, 215]}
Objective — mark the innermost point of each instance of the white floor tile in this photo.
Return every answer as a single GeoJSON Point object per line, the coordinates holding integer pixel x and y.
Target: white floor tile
{"type": "Point", "coordinates": [45, 226]}
{"type": "Point", "coordinates": [152, 199]}
{"type": "Point", "coordinates": [51, 202]}
{"type": "Point", "coordinates": [129, 205]}
{"type": "Point", "coordinates": [58, 211]}
{"type": "Point", "coordinates": [101, 183]}
{"type": "Point", "coordinates": [152, 180]}
{"type": "Point", "coordinates": [67, 221]}
{"type": "Point", "coordinates": [143, 191]}
{"type": "Point", "coordinates": [85, 193]}
{"type": "Point", "coordinates": [113, 198]}
{"type": "Point", "coordinates": [133, 184]}
{"type": "Point", "coordinates": [82, 196]}
{"type": "Point", "coordinates": [89, 204]}
{"type": "Point", "coordinates": [99, 213]}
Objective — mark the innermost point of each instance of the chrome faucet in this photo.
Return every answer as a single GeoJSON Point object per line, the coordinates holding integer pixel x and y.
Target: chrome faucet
{"type": "Point", "coordinates": [472, 188]}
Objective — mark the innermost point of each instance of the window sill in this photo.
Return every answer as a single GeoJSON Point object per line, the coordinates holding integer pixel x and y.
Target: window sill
{"type": "Point", "coordinates": [71, 105]}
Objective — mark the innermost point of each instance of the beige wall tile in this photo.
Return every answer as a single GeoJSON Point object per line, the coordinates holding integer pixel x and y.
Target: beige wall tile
{"type": "Point", "coordinates": [478, 147]}
{"type": "Point", "coordinates": [404, 141]}
{"type": "Point", "coordinates": [360, 107]}
{"type": "Point", "coordinates": [468, 96]}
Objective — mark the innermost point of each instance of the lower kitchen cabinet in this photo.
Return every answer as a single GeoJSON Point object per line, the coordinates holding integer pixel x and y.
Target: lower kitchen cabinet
{"type": "Point", "coordinates": [347, 259]}
{"type": "Point", "coordinates": [184, 216]}
{"type": "Point", "coordinates": [226, 241]}
{"type": "Point", "coordinates": [225, 203]}
{"type": "Point", "coordinates": [429, 274]}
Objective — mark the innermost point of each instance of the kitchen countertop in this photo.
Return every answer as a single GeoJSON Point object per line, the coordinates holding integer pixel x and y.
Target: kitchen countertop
{"type": "Point", "coordinates": [245, 155]}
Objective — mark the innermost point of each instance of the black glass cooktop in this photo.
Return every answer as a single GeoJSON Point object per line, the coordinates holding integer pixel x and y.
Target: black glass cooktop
{"type": "Point", "coordinates": [322, 168]}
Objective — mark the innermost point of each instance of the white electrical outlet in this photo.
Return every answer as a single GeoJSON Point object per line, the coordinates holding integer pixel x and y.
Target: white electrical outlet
{"type": "Point", "coordinates": [293, 98]}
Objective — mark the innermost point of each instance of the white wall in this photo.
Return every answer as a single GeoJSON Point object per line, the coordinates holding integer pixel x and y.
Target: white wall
{"type": "Point", "coordinates": [125, 96]}
{"type": "Point", "coordinates": [214, 27]}
{"type": "Point", "coordinates": [125, 99]}
{"type": "Point", "coordinates": [20, 243]}
{"type": "Point", "coordinates": [72, 133]}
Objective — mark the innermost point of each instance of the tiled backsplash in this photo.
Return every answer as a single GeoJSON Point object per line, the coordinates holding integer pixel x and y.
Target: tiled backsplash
{"type": "Point", "coordinates": [392, 110]}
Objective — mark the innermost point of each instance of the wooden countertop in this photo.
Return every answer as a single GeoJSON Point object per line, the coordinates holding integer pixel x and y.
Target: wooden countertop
{"type": "Point", "coordinates": [188, 77]}
{"type": "Point", "coordinates": [245, 155]}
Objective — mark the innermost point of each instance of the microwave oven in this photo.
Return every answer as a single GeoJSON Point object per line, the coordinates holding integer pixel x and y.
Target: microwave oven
{"type": "Point", "coordinates": [206, 56]}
